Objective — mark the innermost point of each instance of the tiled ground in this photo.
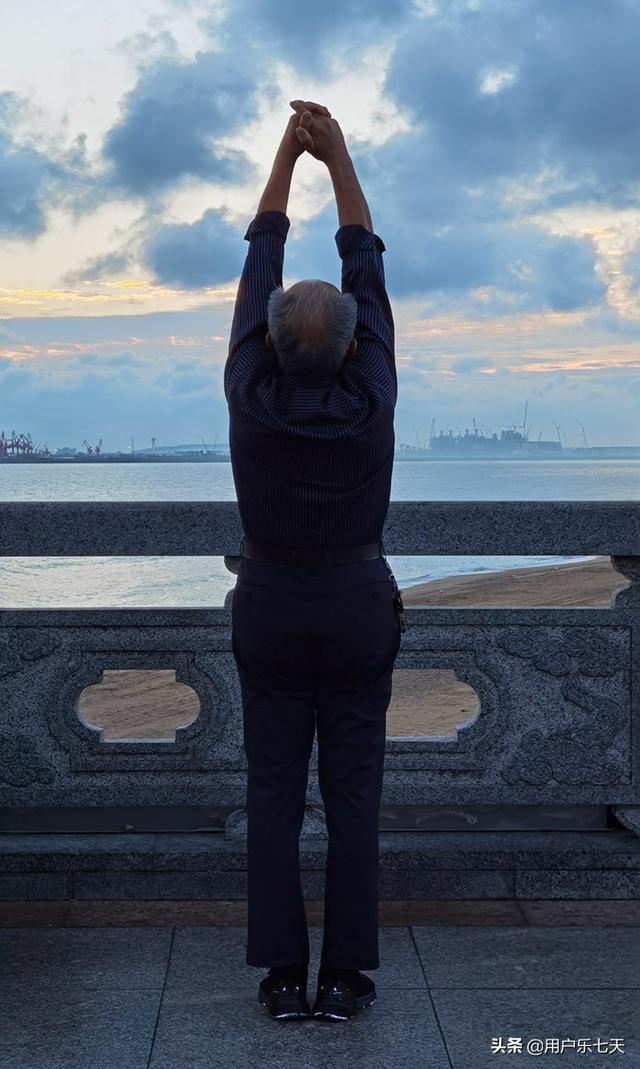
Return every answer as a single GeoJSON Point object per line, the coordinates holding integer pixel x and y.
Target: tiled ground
{"type": "Point", "coordinates": [92, 992]}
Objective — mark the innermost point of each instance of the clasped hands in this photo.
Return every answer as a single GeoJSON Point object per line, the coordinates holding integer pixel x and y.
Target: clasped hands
{"type": "Point", "coordinates": [311, 129]}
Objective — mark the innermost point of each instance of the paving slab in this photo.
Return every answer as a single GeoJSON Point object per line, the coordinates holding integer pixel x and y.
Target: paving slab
{"type": "Point", "coordinates": [556, 957]}
{"type": "Point", "coordinates": [209, 960]}
{"type": "Point", "coordinates": [90, 998]}
{"type": "Point", "coordinates": [399, 1031]}
{"type": "Point", "coordinates": [48, 1026]}
{"type": "Point", "coordinates": [475, 1021]}
{"type": "Point", "coordinates": [104, 958]}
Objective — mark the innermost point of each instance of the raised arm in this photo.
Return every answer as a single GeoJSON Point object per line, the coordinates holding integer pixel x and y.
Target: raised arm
{"type": "Point", "coordinates": [360, 250]}
{"type": "Point", "coordinates": [262, 270]}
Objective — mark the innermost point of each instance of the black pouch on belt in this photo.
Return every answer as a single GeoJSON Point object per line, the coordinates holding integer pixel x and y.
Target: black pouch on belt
{"type": "Point", "coordinates": [397, 596]}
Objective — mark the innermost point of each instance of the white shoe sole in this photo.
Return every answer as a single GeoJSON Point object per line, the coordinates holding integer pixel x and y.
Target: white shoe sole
{"type": "Point", "coordinates": [332, 1015]}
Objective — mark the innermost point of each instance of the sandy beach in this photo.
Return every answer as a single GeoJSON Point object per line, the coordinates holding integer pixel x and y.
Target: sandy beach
{"type": "Point", "coordinates": [577, 583]}
{"type": "Point", "coordinates": [150, 705]}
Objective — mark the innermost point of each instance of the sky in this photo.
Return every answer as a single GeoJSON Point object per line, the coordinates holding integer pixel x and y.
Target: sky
{"type": "Point", "coordinates": [495, 144]}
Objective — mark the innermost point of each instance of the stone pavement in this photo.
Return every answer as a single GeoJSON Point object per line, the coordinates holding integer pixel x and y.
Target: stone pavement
{"type": "Point", "coordinates": [96, 992]}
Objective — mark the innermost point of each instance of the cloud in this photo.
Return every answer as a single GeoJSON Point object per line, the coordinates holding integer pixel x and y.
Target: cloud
{"type": "Point", "coordinates": [502, 90]}
{"type": "Point", "coordinates": [494, 105]}
{"type": "Point", "coordinates": [310, 36]}
{"type": "Point", "coordinates": [470, 363]}
{"type": "Point", "coordinates": [527, 268]}
{"type": "Point", "coordinates": [30, 181]}
{"type": "Point", "coordinates": [191, 255]}
{"type": "Point", "coordinates": [632, 267]}
{"type": "Point", "coordinates": [187, 383]}
{"type": "Point", "coordinates": [105, 266]}
{"type": "Point", "coordinates": [170, 121]}
{"type": "Point", "coordinates": [89, 400]}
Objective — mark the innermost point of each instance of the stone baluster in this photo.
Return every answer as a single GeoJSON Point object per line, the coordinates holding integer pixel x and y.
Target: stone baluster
{"type": "Point", "coordinates": [628, 595]}
{"type": "Point", "coordinates": [629, 815]}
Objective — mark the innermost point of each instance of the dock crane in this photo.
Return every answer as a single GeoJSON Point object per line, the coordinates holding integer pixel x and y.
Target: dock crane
{"type": "Point", "coordinates": [17, 445]}
{"type": "Point", "coordinates": [584, 437]}
{"type": "Point", "coordinates": [91, 449]}
{"type": "Point", "coordinates": [559, 431]}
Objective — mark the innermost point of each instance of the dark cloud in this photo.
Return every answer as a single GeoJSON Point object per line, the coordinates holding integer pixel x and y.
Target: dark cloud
{"type": "Point", "coordinates": [560, 78]}
{"type": "Point", "coordinates": [111, 263]}
{"type": "Point", "coordinates": [30, 182]}
{"type": "Point", "coordinates": [190, 255]}
{"type": "Point", "coordinates": [497, 93]}
{"type": "Point", "coordinates": [169, 123]}
{"type": "Point", "coordinates": [529, 267]}
{"type": "Point", "coordinates": [308, 36]}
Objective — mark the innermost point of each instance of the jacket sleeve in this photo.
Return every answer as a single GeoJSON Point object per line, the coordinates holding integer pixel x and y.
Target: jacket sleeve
{"type": "Point", "coordinates": [363, 275]}
{"type": "Point", "coordinates": [262, 272]}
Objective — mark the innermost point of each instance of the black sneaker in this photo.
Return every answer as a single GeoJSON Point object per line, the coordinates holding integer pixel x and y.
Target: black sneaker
{"type": "Point", "coordinates": [342, 994]}
{"type": "Point", "coordinates": [284, 997]}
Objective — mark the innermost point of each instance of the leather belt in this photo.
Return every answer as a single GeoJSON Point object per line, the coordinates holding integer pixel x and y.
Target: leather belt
{"type": "Point", "coordinates": [310, 554]}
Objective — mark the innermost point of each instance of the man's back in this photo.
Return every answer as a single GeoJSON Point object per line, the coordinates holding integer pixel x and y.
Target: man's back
{"type": "Point", "coordinates": [312, 460]}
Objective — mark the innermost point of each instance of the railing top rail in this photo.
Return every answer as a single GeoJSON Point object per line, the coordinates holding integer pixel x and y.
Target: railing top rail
{"type": "Point", "coordinates": [412, 528]}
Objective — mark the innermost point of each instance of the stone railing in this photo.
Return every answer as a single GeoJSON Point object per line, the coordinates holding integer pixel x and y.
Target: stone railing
{"type": "Point", "coordinates": [558, 726]}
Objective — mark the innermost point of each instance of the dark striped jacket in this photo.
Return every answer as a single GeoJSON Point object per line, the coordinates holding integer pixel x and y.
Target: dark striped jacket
{"type": "Point", "coordinates": [311, 461]}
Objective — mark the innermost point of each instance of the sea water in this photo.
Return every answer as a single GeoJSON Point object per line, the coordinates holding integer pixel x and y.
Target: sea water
{"type": "Point", "coordinates": [83, 582]}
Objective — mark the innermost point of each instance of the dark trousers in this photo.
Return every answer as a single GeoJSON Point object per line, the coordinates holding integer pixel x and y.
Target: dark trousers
{"type": "Point", "coordinates": [314, 646]}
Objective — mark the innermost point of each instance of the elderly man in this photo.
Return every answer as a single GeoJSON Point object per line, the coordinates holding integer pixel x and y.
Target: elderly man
{"type": "Point", "coordinates": [311, 386]}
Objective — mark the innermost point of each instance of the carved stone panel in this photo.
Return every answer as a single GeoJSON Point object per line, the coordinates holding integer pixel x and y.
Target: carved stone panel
{"type": "Point", "coordinates": [199, 745]}
{"type": "Point", "coordinates": [555, 706]}
{"type": "Point", "coordinates": [583, 676]}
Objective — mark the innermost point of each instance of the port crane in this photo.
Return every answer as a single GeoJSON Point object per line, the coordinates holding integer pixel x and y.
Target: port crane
{"type": "Point", "coordinates": [560, 431]}
{"type": "Point", "coordinates": [91, 449]}
{"type": "Point", "coordinates": [16, 445]}
{"type": "Point", "coordinates": [584, 437]}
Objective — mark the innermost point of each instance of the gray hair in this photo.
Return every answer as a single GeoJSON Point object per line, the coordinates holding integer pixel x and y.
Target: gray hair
{"type": "Point", "coordinates": [331, 316]}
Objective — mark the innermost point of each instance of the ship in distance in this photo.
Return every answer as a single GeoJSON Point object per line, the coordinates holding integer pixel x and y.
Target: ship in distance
{"type": "Point", "coordinates": [513, 443]}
